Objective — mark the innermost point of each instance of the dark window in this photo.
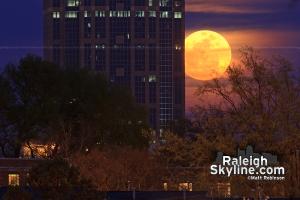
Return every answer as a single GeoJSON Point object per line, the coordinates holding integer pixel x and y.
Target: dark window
{"type": "Point", "coordinates": [72, 43]}
{"type": "Point", "coordinates": [56, 29]}
{"type": "Point", "coordinates": [56, 3]}
{"type": "Point", "coordinates": [100, 57]}
{"type": "Point", "coordinates": [100, 2]}
{"type": "Point", "coordinates": [152, 92]}
{"type": "Point", "coordinates": [120, 62]}
{"type": "Point", "coordinates": [140, 89]}
{"type": "Point", "coordinates": [178, 60]}
{"type": "Point", "coordinates": [178, 34]}
{"type": "Point", "coordinates": [139, 27]}
{"type": "Point", "coordinates": [87, 56]}
{"type": "Point", "coordinates": [87, 2]}
{"type": "Point", "coordinates": [178, 114]}
{"type": "Point", "coordinates": [153, 118]}
{"type": "Point", "coordinates": [139, 2]}
{"type": "Point", "coordinates": [113, 4]}
{"type": "Point", "coordinates": [56, 54]}
{"type": "Point", "coordinates": [152, 28]}
{"type": "Point", "coordinates": [152, 57]}
{"type": "Point", "coordinates": [140, 58]}
{"type": "Point", "coordinates": [178, 90]}
{"type": "Point", "coordinates": [100, 27]}
{"type": "Point", "coordinates": [120, 29]}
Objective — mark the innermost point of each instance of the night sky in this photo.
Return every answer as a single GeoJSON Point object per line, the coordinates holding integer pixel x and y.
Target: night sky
{"type": "Point", "coordinates": [20, 29]}
{"type": "Point", "coordinates": [271, 26]}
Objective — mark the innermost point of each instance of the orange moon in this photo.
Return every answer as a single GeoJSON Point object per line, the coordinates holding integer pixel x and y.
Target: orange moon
{"type": "Point", "coordinates": [207, 55]}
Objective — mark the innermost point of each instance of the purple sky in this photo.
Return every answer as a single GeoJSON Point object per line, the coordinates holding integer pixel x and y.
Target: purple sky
{"type": "Point", "coordinates": [270, 26]}
{"type": "Point", "coordinates": [20, 29]}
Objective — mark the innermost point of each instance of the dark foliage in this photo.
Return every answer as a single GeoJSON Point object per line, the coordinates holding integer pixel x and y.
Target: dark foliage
{"type": "Point", "coordinates": [74, 110]}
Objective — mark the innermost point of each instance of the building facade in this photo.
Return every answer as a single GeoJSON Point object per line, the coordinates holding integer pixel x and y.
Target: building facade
{"type": "Point", "coordinates": [15, 171]}
{"type": "Point", "coordinates": [135, 43]}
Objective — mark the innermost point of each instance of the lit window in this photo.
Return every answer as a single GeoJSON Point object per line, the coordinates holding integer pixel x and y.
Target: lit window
{"type": "Point", "coordinates": [164, 3]}
{"type": "Point", "coordinates": [73, 3]}
{"type": "Point", "coordinates": [177, 47]}
{"type": "Point", "coordinates": [13, 179]}
{"type": "Point", "coordinates": [152, 13]}
{"type": "Point", "coordinates": [185, 187]}
{"type": "Point", "coordinates": [119, 13]}
{"type": "Point", "coordinates": [140, 14]}
{"type": "Point", "coordinates": [150, 2]}
{"type": "Point", "coordinates": [152, 78]}
{"type": "Point", "coordinates": [177, 15]}
{"type": "Point", "coordinates": [71, 14]}
{"type": "Point", "coordinates": [140, 89]}
{"type": "Point", "coordinates": [87, 14]}
{"type": "Point", "coordinates": [100, 46]}
{"type": "Point", "coordinates": [99, 13]}
{"type": "Point", "coordinates": [164, 14]}
{"type": "Point", "coordinates": [56, 15]}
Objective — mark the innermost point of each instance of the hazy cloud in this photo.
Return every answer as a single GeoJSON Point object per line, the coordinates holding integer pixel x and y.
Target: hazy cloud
{"type": "Point", "coordinates": [238, 6]}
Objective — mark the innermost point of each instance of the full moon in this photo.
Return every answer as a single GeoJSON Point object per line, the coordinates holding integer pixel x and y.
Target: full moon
{"type": "Point", "coordinates": [207, 55]}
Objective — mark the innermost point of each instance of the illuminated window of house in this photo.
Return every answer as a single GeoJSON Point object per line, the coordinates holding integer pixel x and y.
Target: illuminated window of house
{"type": "Point", "coordinates": [185, 187]}
{"type": "Point", "coordinates": [165, 186]}
{"type": "Point", "coordinates": [177, 15]}
{"type": "Point", "coordinates": [177, 3]}
{"type": "Point", "coordinates": [224, 189]}
{"type": "Point", "coordinates": [13, 179]}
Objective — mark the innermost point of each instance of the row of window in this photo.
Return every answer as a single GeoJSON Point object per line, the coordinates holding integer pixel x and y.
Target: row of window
{"type": "Point", "coordinates": [139, 48]}
{"type": "Point", "coordinates": [98, 13]}
{"type": "Point", "coordinates": [120, 29]}
{"type": "Point", "coordinates": [118, 37]}
{"type": "Point", "coordinates": [76, 3]}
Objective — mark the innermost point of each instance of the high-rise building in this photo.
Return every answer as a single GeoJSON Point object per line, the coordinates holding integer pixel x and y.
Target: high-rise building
{"type": "Point", "coordinates": [136, 43]}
